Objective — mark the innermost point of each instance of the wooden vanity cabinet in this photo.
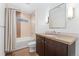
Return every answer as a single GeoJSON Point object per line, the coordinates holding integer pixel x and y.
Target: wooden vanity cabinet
{"type": "Point", "coordinates": [40, 45]}
{"type": "Point", "coordinates": [48, 47]}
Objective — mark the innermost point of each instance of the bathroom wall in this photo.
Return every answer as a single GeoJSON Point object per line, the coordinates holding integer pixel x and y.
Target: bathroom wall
{"type": "Point", "coordinates": [42, 15]}
{"type": "Point", "coordinates": [71, 27]}
{"type": "Point", "coordinates": [2, 15]}
{"type": "Point", "coordinates": [33, 25]}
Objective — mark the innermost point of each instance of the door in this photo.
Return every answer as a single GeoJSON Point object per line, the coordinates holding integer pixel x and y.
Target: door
{"type": "Point", "coordinates": [55, 48]}
{"type": "Point", "coordinates": [50, 47]}
{"type": "Point", "coordinates": [61, 49]}
{"type": "Point", "coordinates": [40, 45]}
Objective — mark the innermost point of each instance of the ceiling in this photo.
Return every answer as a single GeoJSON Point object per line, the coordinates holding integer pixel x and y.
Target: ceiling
{"type": "Point", "coordinates": [30, 7]}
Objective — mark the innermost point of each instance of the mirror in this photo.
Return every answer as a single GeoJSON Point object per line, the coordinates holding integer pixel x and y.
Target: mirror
{"type": "Point", "coordinates": [57, 17]}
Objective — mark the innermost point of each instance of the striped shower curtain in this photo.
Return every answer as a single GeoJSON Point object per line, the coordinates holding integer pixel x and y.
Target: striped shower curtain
{"type": "Point", "coordinates": [10, 30]}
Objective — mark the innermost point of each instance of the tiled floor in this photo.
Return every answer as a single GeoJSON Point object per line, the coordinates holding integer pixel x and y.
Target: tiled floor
{"type": "Point", "coordinates": [22, 52]}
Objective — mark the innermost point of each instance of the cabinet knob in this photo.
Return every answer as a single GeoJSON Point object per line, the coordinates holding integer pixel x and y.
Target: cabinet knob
{"type": "Point", "coordinates": [42, 40]}
{"type": "Point", "coordinates": [45, 42]}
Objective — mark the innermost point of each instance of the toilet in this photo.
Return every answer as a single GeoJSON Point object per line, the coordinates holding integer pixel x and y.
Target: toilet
{"type": "Point", "coordinates": [32, 45]}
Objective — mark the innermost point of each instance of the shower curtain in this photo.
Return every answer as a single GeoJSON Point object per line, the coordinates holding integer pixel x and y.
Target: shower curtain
{"type": "Point", "coordinates": [10, 30]}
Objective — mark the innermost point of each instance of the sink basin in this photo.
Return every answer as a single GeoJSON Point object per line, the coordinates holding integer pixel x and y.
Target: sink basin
{"type": "Point", "coordinates": [59, 34]}
{"type": "Point", "coordinates": [52, 33]}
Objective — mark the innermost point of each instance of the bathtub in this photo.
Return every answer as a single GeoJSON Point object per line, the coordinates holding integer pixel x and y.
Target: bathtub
{"type": "Point", "coordinates": [23, 42]}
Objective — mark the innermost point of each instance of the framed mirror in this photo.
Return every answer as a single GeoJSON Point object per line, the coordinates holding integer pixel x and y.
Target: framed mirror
{"type": "Point", "coordinates": [57, 17]}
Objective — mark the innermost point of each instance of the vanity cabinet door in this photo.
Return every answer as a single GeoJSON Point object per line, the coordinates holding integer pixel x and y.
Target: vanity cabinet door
{"type": "Point", "coordinates": [50, 48]}
{"type": "Point", "coordinates": [54, 48]}
{"type": "Point", "coordinates": [40, 45]}
{"type": "Point", "coordinates": [61, 49]}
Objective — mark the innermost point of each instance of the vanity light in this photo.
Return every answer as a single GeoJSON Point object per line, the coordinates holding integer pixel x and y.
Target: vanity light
{"type": "Point", "coordinates": [47, 20]}
{"type": "Point", "coordinates": [70, 8]}
{"type": "Point", "coordinates": [70, 12]}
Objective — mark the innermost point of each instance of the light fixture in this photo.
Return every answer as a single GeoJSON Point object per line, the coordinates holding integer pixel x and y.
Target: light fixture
{"type": "Point", "coordinates": [47, 20]}
{"type": "Point", "coordinates": [71, 12]}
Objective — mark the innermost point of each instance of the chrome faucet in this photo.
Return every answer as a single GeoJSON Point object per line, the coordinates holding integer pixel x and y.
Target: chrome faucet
{"type": "Point", "coordinates": [54, 31]}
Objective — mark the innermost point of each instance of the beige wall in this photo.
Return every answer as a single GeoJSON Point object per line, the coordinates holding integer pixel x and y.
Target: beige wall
{"type": "Point", "coordinates": [26, 28]}
{"type": "Point", "coordinates": [18, 26]}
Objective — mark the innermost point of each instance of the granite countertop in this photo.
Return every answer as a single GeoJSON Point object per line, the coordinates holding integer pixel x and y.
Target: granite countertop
{"type": "Point", "coordinates": [66, 39]}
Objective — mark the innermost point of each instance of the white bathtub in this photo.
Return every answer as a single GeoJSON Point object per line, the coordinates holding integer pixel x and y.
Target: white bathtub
{"type": "Point", "coordinates": [23, 42]}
